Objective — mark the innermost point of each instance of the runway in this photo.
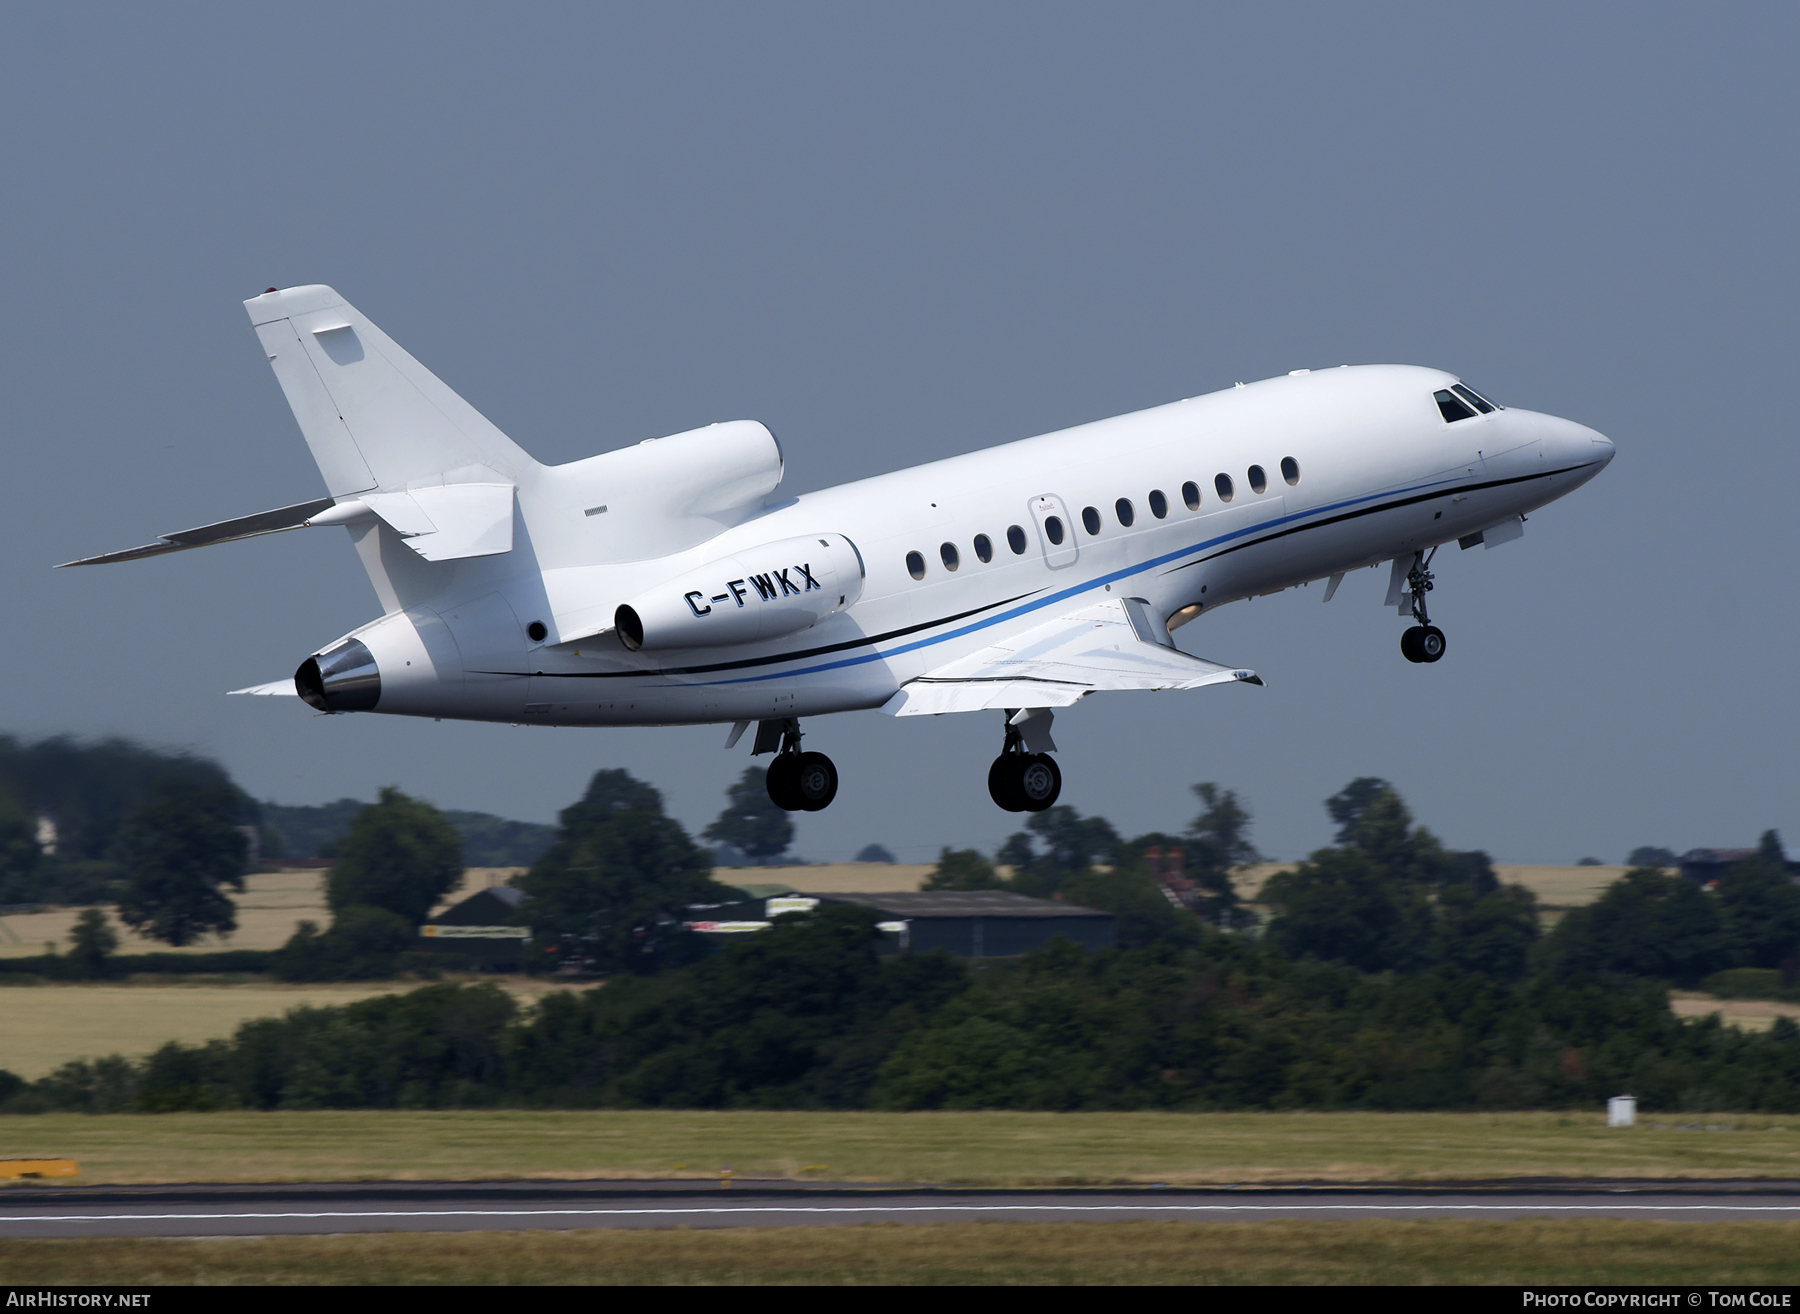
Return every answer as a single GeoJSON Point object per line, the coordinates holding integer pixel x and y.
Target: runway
{"type": "Point", "coordinates": [315, 1209]}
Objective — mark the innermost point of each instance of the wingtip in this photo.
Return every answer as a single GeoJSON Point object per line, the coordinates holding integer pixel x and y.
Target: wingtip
{"type": "Point", "coordinates": [1249, 677]}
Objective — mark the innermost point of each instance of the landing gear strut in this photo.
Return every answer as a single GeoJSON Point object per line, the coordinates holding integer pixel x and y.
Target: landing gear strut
{"type": "Point", "coordinates": [1021, 780]}
{"type": "Point", "coordinates": [796, 781]}
{"type": "Point", "coordinates": [1424, 642]}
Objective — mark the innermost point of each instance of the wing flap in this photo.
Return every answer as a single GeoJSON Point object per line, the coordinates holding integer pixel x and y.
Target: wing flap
{"type": "Point", "coordinates": [1098, 648]}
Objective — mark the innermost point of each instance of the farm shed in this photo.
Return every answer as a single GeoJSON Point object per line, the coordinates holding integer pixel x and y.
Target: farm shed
{"type": "Point", "coordinates": [983, 923]}
{"type": "Point", "coordinates": [477, 928]}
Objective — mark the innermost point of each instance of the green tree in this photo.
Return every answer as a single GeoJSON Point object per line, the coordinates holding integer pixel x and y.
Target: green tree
{"type": "Point", "coordinates": [1142, 913]}
{"type": "Point", "coordinates": [615, 887]}
{"type": "Point", "coordinates": [1341, 905]}
{"type": "Point", "coordinates": [20, 857]}
{"type": "Point", "coordinates": [1349, 803]}
{"type": "Point", "coordinates": [92, 939]}
{"type": "Point", "coordinates": [1761, 907]}
{"type": "Point", "coordinates": [751, 823]}
{"type": "Point", "coordinates": [1071, 843]}
{"type": "Point", "coordinates": [400, 855]}
{"type": "Point", "coordinates": [1222, 830]}
{"type": "Point", "coordinates": [1645, 924]}
{"type": "Point", "coordinates": [963, 869]}
{"type": "Point", "coordinates": [362, 944]}
{"type": "Point", "coordinates": [180, 850]}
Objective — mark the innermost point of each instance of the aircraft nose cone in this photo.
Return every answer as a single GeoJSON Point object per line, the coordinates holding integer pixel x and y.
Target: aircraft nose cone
{"type": "Point", "coordinates": [1603, 446]}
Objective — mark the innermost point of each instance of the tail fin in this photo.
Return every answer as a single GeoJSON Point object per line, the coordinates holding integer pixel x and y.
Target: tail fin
{"type": "Point", "coordinates": [374, 417]}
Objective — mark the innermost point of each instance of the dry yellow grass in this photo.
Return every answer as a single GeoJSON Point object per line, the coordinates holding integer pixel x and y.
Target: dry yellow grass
{"type": "Point", "coordinates": [272, 904]}
{"type": "Point", "coordinates": [47, 1025]}
{"type": "Point", "coordinates": [1744, 1014]}
{"type": "Point", "coordinates": [1594, 1251]}
{"type": "Point", "coordinates": [992, 1148]}
{"type": "Point", "coordinates": [1555, 887]}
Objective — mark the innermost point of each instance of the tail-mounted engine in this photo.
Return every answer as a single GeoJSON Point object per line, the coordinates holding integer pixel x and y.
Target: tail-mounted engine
{"type": "Point", "coordinates": [759, 593]}
{"type": "Point", "coordinates": [343, 678]}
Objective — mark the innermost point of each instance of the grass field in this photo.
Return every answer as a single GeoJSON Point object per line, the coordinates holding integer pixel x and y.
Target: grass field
{"type": "Point", "coordinates": [994, 1148]}
{"type": "Point", "coordinates": [1581, 1251]}
{"type": "Point", "coordinates": [47, 1025]}
{"type": "Point", "coordinates": [271, 905]}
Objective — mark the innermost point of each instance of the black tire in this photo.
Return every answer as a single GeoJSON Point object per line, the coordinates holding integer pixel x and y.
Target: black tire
{"type": "Point", "coordinates": [1431, 644]}
{"type": "Point", "coordinates": [815, 781]}
{"type": "Point", "coordinates": [1003, 782]}
{"type": "Point", "coordinates": [1039, 782]}
{"type": "Point", "coordinates": [783, 783]}
{"type": "Point", "coordinates": [1409, 644]}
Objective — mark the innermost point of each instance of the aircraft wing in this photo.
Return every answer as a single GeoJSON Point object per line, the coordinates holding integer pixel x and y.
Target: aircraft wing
{"type": "Point", "coordinates": [1104, 645]}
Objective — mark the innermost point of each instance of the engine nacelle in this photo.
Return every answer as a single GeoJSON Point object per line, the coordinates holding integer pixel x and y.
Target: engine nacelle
{"type": "Point", "coordinates": [343, 678]}
{"type": "Point", "coordinates": [758, 593]}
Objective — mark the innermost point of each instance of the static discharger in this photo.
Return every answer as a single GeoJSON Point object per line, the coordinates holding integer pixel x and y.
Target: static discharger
{"type": "Point", "coordinates": [14, 1169]}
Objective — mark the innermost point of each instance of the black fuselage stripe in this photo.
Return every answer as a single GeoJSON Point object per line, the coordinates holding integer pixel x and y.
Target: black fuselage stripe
{"type": "Point", "coordinates": [782, 657]}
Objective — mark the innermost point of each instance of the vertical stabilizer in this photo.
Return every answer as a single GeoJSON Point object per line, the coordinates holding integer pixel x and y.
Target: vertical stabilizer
{"type": "Point", "coordinates": [374, 417]}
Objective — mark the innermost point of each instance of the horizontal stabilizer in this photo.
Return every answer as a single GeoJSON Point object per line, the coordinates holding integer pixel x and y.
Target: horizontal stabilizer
{"type": "Point", "coordinates": [226, 531]}
{"type": "Point", "coordinates": [440, 522]}
{"type": "Point", "coordinates": [273, 689]}
{"type": "Point", "coordinates": [1054, 664]}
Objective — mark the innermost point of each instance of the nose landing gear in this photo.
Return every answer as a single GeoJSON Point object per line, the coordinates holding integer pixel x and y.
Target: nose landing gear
{"type": "Point", "coordinates": [796, 781]}
{"type": "Point", "coordinates": [1025, 778]}
{"type": "Point", "coordinates": [1423, 642]}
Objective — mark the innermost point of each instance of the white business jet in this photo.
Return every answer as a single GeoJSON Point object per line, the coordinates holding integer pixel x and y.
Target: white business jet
{"type": "Point", "coordinates": [671, 583]}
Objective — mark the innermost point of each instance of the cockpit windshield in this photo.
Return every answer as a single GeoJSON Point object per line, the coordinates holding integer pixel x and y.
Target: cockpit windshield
{"type": "Point", "coordinates": [1458, 402]}
{"type": "Point", "coordinates": [1453, 407]}
{"type": "Point", "coordinates": [1474, 398]}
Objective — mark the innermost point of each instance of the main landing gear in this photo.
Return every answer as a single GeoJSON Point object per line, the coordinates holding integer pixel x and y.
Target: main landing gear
{"type": "Point", "coordinates": [1424, 642]}
{"type": "Point", "coordinates": [1025, 778]}
{"type": "Point", "coordinates": [797, 782]}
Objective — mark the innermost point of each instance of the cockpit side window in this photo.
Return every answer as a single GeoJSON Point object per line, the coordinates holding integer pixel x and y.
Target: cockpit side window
{"type": "Point", "coordinates": [1474, 398]}
{"type": "Point", "coordinates": [1453, 407]}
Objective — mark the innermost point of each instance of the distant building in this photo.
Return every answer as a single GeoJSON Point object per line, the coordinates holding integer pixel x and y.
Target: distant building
{"type": "Point", "coordinates": [966, 923]}
{"type": "Point", "coordinates": [476, 929]}
{"type": "Point", "coordinates": [982, 923]}
{"type": "Point", "coordinates": [1704, 866]}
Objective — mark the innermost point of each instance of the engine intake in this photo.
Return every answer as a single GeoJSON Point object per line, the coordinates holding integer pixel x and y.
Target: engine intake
{"type": "Point", "coordinates": [758, 593]}
{"type": "Point", "coordinates": [343, 678]}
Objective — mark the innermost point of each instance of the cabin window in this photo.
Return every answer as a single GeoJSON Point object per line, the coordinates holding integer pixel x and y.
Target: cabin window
{"type": "Point", "coordinates": [1190, 494]}
{"type": "Point", "coordinates": [1090, 521]}
{"type": "Point", "coordinates": [1454, 408]}
{"type": "Point", "coordinates": [949, 556]}
{"type": "Point", "coordinates": [1474, 398]}
{"type": "Point", "coordinates": [1290, 469]}
{"type": "Point", "coordinates": [1122, 509]}
{"type": "Point", "coordinates": [984, 548]}
{"type": "Point", "coordinates": [1015, 539]}
{"type": "Point", "coordinates": [1053, 529]}
{"type": "Point", "coordinates": [1259, 482]}
{"type": "Point", "coordinates": [1159, 505]}
{"type": "Point", "coordinates": [915, 565]}
{"type": "Point", "coordinates": [1222, 486]}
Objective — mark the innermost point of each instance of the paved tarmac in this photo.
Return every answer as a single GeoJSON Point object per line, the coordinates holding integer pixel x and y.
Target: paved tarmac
{"type": "Point", "coordinates": [320, 1208]}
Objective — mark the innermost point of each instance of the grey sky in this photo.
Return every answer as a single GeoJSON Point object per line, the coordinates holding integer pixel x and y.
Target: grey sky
{"type": "Point", "coordinates": [893, 234]}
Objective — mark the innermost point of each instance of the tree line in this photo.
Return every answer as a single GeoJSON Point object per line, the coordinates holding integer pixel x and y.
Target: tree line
{"type": "Point", "coordinates": [1392, 972]}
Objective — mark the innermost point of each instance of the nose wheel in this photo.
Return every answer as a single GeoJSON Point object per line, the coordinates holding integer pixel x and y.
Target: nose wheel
{"type": "Point", "coordinates": [1424, 642]}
